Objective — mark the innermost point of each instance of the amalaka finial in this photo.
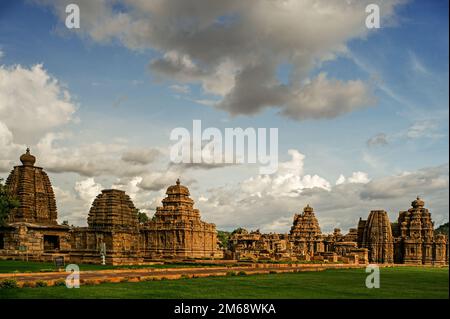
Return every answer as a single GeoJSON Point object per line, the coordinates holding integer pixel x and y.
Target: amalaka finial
{"type": "Point", "coordinates": [27, 159]}
{"type": "Point", "coordinates": [178, 181]}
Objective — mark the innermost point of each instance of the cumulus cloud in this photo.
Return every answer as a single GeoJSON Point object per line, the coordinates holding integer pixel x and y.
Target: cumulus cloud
{"type": "Point", "coordinates": [269, 202]}
{"type": "Point", "coordinates": [234, 48]}
{"type": "Point", "coordinates": [341, 180]}
{"type": "Point", "coordinates": [94, 159]}
{"type": "Point", "coordinates": [141, 156]}
{"type": "Point", "coordinates": [32, 102]}
{"type": "Point", "coordinates": [87, 190]}
{"type": "Point", "coordinates": [7, 148]}
{"type": "Point", "coordinates": [359, 178]}
{"type": "Point", "coordinates": [379, 139]}
{"type": "Point", "coordinates": [419, 182]}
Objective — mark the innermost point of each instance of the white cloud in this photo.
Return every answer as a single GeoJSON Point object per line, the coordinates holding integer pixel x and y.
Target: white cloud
{"type": "Point", "coordinates": [180, 88]}
{"type": "Point", "coordinates": [359, 178]}
{"type": "Point", "coordinates": [379, 139]}
{"type": "Point", "coordinates": [416, 64]}
{"type": "Point", "coordinates": [260, 202]}
{"type": "Point", "coordinates": [234, 48]}
{"type": "Point", "coordinates": [32, 102]}
{"type": "Point", "coordinates": [87, 190]}
{"type": "Point", "coordinates": [340, 180]}
{"type": "Point", "coordinates": [423, 128]}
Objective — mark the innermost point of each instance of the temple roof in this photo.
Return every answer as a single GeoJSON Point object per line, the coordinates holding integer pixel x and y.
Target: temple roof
{"type": "Point", "coordinates": [32, 187]}
{"type": "Point", "coordinates": [27, 159]}
{"type": "Point", "coordinates": [113, 208]}
{"type": "Point", "coordinates": [418, 203]}
{"type": "Point", "coordinates": [177, 189]}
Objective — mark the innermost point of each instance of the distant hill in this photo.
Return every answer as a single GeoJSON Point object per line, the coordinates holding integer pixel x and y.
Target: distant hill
{"type": "Point", "coordinates": [443, 229]}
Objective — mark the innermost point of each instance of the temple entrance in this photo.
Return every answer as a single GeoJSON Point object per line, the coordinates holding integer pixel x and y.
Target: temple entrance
{"type": "Point", "coordinates": [2, 241]}
{"type": "Point", "coordinates": [51, 242]}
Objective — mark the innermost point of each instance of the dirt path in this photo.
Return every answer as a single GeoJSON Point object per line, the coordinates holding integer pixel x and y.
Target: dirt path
{"type": "Point", "coordinates": [167, 273]}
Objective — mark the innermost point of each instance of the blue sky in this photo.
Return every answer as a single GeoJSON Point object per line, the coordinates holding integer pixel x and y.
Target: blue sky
{"type": "Point", "coordinates": [119, 98]}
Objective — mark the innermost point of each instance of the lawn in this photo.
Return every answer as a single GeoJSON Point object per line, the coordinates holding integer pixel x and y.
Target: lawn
{"type": "Point", "coordinates": [398, 282]}
{"type": "Point", "coordinates": [10, 266]}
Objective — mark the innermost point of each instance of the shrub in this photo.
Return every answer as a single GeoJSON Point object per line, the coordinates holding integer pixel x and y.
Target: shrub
{"type": "Point", "coordinates": [242, 273]}
{"type": "Point", "coordinates": [60, 283]}
{"type": "Point", "coordinates": [8, 283]}
{"type": "Point", "coordinates": [41, 283]}
{"type": "Point", "coordinates": [231, 273]}
{"type": "Point", "coordinates": [28, 285]}
{"type": "Point", "coordinates": [272, 272]}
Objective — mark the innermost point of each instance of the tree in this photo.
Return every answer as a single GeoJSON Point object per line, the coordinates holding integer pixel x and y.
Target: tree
{"type": "Point", "coordinates": [7, 203]}
{"type": "Point", "coordinates": [142, 217]}
{"type": "Point", "coordinates": [223, 237]}
{"type": "Point", "coordinates": [443, 229]}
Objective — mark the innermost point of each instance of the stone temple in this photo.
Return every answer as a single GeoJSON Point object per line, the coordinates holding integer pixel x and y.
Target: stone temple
{"type": "Point", "coordinates": [114, 235]}
{"type": "Point", "coordinates": [176, 230]}
{"type": "Point", "coordinates": [31, 229]}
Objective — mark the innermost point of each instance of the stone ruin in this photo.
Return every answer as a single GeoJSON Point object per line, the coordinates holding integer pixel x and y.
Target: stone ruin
{"type": "Point", "coordinates": [177, 232]}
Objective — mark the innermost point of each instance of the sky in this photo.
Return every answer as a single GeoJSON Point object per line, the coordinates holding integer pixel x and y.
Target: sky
{"type": "Point", "coordinates": [362, 114]}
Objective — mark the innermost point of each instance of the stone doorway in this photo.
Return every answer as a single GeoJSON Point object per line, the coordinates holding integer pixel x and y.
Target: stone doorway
{"type": "Point", "coordinates": [51, 242]}
{"type": "Point", "coordinates": [2, 241]}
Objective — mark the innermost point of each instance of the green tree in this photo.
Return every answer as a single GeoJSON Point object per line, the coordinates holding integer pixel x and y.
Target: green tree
{"type": "Point", "coordinates": [223, 237]}
{"type": "Point", "coordinates": [7, 203]}
{"type": "Point", "coordinates": [142, 217]}
{"type": "Point", "coordinates": [443, 229]}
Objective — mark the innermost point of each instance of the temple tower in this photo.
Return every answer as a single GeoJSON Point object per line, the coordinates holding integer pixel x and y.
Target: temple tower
{"type": "Point", "coordinates": [113, 230]}
{"type": "Point", "coordinates": [306, 234]}
{"type": "Point", "coordinates": [377, 237]}
{"type": "Point", "coordinates": [417, 244]}
{"type": "Point", "coordinates": [31, 229]}
{"type": "Point", "coordinates": [32, 187]}
{"type": "Point", "coordinates": [176, 230]}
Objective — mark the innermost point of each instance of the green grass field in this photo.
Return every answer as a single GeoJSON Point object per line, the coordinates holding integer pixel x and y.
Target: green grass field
{"type": "Point", "coordinates": [398, 282]}
{"type": "Point", "coordinates": [11, 266]}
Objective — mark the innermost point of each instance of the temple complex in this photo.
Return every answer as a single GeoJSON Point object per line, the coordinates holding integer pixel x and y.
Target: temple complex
{"type": "Point", "coordinates": [113, 234]}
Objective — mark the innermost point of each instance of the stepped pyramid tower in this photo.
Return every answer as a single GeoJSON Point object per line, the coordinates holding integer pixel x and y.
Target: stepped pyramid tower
{"type": "Point", "coordinates": [306, 234]}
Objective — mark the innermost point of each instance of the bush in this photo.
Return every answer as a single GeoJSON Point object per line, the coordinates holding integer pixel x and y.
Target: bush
{"type": "Point", "coordinates": [60, 283]}
{"type": "Point", "coordinates": [28, 285]}
{"type": "Point", "coordinates": [8, 283]}
{"type": "Point", "coordinates": [41, 283]}
{"type": "Point", "coordinates": [231, 273]}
